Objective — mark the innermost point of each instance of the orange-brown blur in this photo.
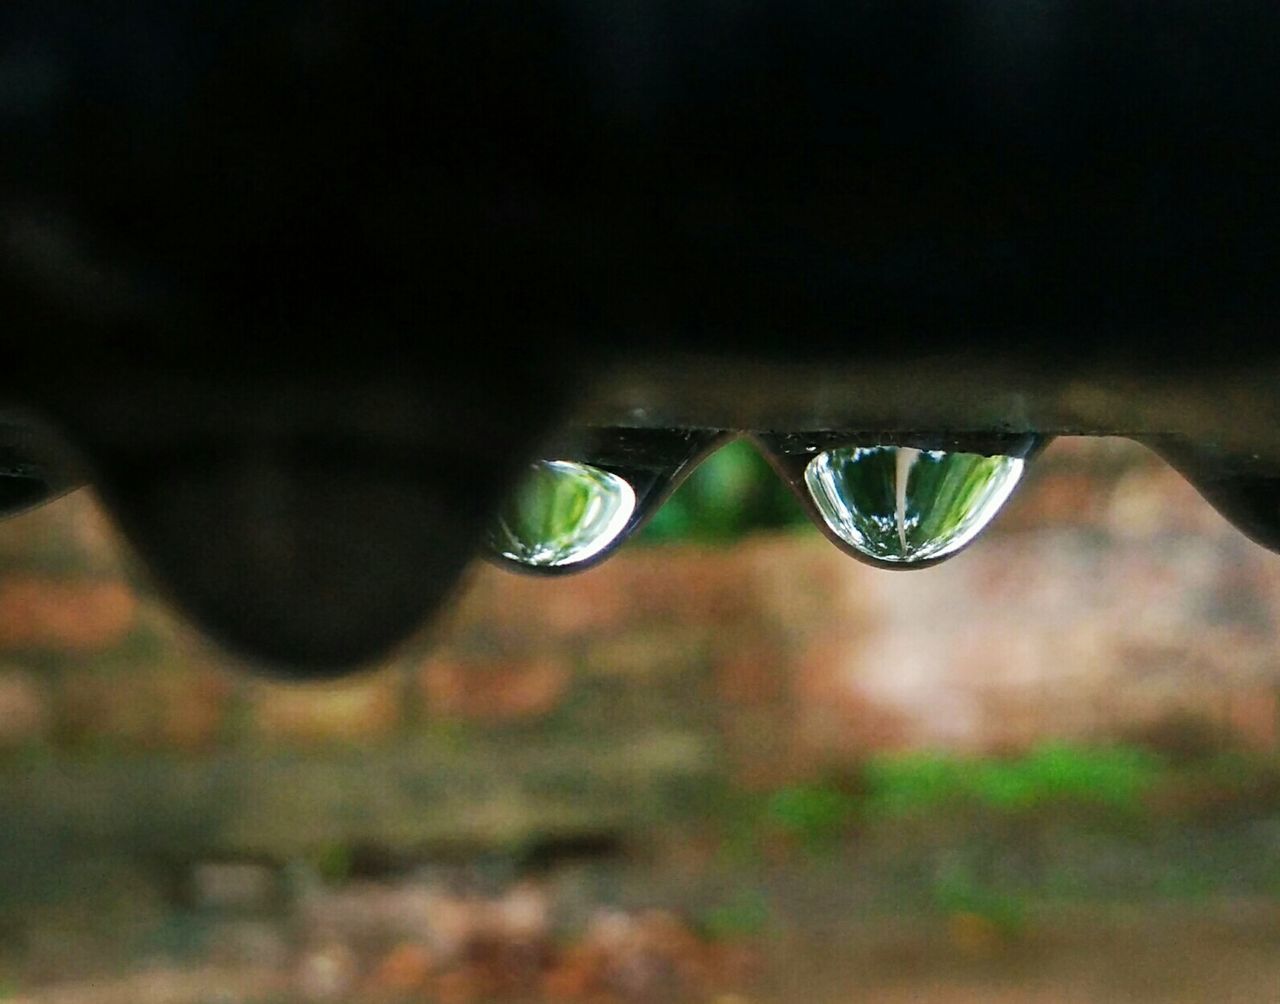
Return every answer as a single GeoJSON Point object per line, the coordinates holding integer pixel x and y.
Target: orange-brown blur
{"type": "Point", "coordinates": [1045, 771]}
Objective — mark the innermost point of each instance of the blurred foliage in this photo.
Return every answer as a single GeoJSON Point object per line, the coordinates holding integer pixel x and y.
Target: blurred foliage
{"type": "Point", "coordinates": [745, 915]}
{"type": "Point", "coordinates": [816, 814]}
{"type": "Point", "coordinates": [334, 862]}
{"type": "Point", "coordinates": [733, 492]}
{"type": "Point", "coordinates": [1113, 776]}
{"type": "Point", "coordinates": [992, 844]}
{"type": "Point", "coordinates": [960, 893]}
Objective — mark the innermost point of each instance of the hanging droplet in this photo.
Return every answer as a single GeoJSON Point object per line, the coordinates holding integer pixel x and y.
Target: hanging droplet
{"type": "Point", "coordinates": [34, 465]}
{"type": "Point", "coordinates": [21, 490]}
{"type": "Point", "coordinates": [898, 505]}
{"type": "Point", "coordinates": [563, 513]}
{"type": "Point", "coordinates": [566, 515]}
{"type": "Point", "coordinates": [1243, 486]}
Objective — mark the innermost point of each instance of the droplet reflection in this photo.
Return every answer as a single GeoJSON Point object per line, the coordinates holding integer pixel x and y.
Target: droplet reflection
{"type": "Point", "coordinates": [562, 513]}
{"type": "Point", "coordinates": [898, 505]}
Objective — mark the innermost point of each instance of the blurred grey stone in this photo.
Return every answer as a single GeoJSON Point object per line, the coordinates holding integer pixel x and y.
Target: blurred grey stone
{"type": "Point", "coordinates": [238, 886]}
{"type": "Point", "coordinates": [257, 943]}
{"type": "Point", "coordinates": [24, 712]}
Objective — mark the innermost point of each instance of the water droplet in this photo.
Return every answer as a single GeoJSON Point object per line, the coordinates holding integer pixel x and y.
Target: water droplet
{"type": "Point", "coordinates": [20, 491]}
{"type": "Point", "coordinates": [563, 513]}
{"type": "Point", "coordinates": [568, 514]}
{"type": "Point", "coordinates": [1244, 488]}
{"type": "Point", "coordinates": [35, 466]}
{"type": "Point", "coordinates": [898, 505]}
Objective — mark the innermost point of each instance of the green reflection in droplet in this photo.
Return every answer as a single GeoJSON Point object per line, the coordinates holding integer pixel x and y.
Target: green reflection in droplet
{"type": "Point", "coordinates": [900, 505]}
{"type": "Point", "coordinates": [562, 513]}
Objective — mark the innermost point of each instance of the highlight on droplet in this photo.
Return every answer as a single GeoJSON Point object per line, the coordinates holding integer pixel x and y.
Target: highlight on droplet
{"type": "Point", "coordinates": [898, 506]}
{"type": "Point", "coordinates": [562, 513]}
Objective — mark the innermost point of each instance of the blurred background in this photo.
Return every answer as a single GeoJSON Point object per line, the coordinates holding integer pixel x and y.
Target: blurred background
{"type": "Point", "coordinates": [731, 765]}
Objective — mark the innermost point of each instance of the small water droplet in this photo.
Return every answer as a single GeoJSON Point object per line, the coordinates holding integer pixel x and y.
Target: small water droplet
{"type": "Point", "coordinates": [897, 505]}
{"type": "Point", "coordinates": [811, 448]}
{"type": "Point", "coordinates": [563, 513]}
{"type": "Point", "coordinates": [1244, 488]}
{"type": "Point", "coordinates": [20, 491]}
{"type": "Point", "coordinates": [568, 514]}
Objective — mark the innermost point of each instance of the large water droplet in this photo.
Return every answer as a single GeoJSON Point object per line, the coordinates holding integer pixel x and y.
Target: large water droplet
{"type": "Point", "coordinates": [563, 513]}
{"type": "Point", "coordinates": [898, 505]}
